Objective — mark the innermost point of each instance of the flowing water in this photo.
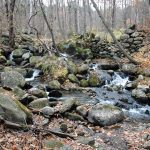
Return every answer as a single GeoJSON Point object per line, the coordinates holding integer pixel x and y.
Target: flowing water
{"type": "Point", "coordinates": [113, 92]}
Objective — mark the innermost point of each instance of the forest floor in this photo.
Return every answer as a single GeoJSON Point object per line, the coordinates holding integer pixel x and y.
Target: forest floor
{"type": "Point", "coordinates": [122, 136]}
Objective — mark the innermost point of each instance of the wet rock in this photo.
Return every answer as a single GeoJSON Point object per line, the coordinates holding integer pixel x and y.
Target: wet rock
{"type": "Point", "coordinates": [39, 103]}
{"type": "Point", "coordinates": [84, 83]}
{"type": "Point", "coordinates": [12, 79]}
{"type": "Point", "coordinates": [129, 69]}
{"type": "Point", "coordinates": [55, 93]}
{"type": "Point", "coordinates": [11, 111]}
{"type": "Point", "coordinates": [52, 144]}
{"type": "Point", "coordinates": [105, 115]}
{"type": "Point", "coordinates": [131, 85]}
{"type": "Point", "coordinates": [47, 111]}
{"type": "Point", "coordinates": [54, 84]}
{"type": "Point", "coordinates": [86, 140]}
{"type": "Point", "coordinates": [73, 116]}
{"type": "Point", "coordinates": [67, 105]}
{"type": "Point", "coordinates": [26, 56]}
{"type": "Point", "coordinates": [83, 69]}
{"type": "Point", "coordinates": [94, 80]}
{"type": "Point", "coordinates": [140, 96]}
{"type": "Point", "coordinates": [73, 78]}
{"type": "Point", "coordinates": [105, 76]}
{"type": "Point", "coordinates": [111, 66]}
{"type": "Point", "coordinates": [147, 145]}
{"type": "Point", "coordinates": [37, 92]}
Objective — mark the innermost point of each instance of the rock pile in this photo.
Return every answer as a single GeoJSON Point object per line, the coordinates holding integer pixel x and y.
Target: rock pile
{"type": "Point", "coordinates": [87, 46]}
{"type": "Point", "coordinates": [132, 39]}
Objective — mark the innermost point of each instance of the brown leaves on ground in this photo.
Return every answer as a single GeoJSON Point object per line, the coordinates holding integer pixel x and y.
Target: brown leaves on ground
{"type": "Point", "coordinates": [143, 56]}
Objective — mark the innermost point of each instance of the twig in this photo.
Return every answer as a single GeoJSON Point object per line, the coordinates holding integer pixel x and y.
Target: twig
{"type": "Point", "coordinates": [48, 131]}
{"type": "Point", "coordinates": [40, 141]}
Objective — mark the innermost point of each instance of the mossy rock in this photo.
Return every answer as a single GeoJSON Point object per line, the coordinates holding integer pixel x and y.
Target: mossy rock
{"type": "Point", "coordinates": [54, 84]}
{"type": "Point", "coordinates": [54, 66]}
{"type": "Point", "coordinates": [84, 83]}
{"type": "Point", "coordinates": [69, 47]}
{"type": "Point", "coordinates": [17, 53]}
{"type": "Point", "coordinates": [12, 79]}
{"type": "Point", "coordinates": [84, 53]}
{"type": "Point", "coordinates": [73, 78]}
{"type": "Point", "coordinates": [94, 80]}
{"type": "Point", "coordinates": [12, 110]}
{"type": "Point", "coordinates": [39, 103]}
{"type": "Point", "coordinates": [82, 69]}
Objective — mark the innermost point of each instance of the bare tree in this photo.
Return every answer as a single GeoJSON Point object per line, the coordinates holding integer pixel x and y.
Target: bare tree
{"type": "Point", "coordinates": [11, 24]}
{"type": "Point", "coordinates": [112, 34]}
{"type": "Point", "coordinates": [49, 27]}
{"type": "Point", "coordinates": [113, 14]}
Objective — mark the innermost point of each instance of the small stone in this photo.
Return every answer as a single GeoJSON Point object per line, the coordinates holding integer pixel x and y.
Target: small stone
{"type": "Point", "coordinates": [63, 127]}
{"type": "Point", "coordinates": [147, 145]}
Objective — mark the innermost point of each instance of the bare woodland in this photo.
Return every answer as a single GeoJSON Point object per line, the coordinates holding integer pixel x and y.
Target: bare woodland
{"type": "Point", "coordinates": [73, 16]}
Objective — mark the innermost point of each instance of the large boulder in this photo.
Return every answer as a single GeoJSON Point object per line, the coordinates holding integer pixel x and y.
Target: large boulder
{"type": "Point", "coordinates": [12, 79]}
{"type": "Point", "coordinates": [56, 67]}
{"type": "Point", "coordinates": [105, 115]}
{"type": "Point", "coordinates": [12, 110]}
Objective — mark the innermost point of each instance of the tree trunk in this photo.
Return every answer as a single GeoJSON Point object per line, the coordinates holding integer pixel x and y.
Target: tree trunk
{"type": "Point", "coordinates": [114, 14]}
{"type": "Point", "coordinates": [112, 35]}
{"type": "Point", "coordinates": [49, 27]}
{"type": "Point", "coordinates": [58, 18]}
{"type": "Point", "coordinates": [11, 25]}
{"type": "Point", "coordinates": [84, 16]}
{"type": "Point", "coordinates": [75, 17]}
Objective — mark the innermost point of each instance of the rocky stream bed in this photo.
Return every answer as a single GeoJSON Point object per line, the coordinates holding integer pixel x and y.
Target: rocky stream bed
{"type": "Point", "coordinates": [67, 103]}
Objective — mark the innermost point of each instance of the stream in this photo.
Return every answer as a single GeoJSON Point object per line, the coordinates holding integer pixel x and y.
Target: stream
{"type": "Point", "coordinates": [106, 94]}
